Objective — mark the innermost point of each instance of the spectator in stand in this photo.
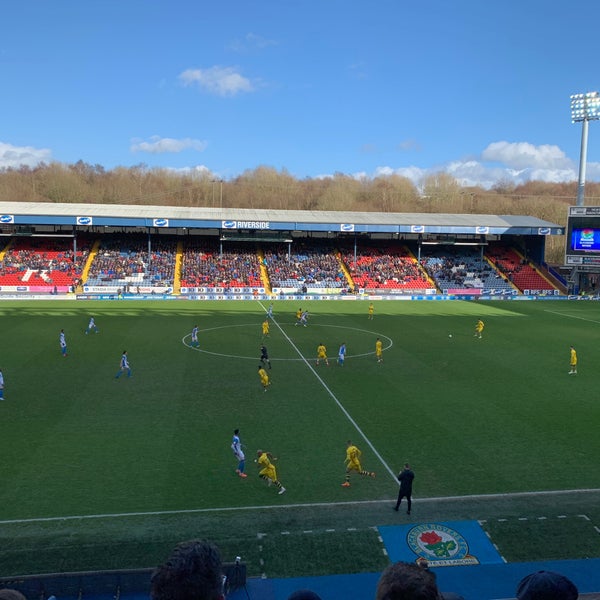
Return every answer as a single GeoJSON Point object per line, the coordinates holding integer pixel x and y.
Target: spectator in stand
{"type": "Point", "coordinates": [407, 581]}
{"type": "Point", "coordinates": [546, 585]}
{"type": "Point", "coordinates": [304, 595]}
{"type": "Point", "coordinates": [10, 594]}
{"type": "Point", "coordinates": [410, 581]}
{"type": "Point", "coordinates": [204, 266]}
{"type": "Point", "coordinates": [193, 571]}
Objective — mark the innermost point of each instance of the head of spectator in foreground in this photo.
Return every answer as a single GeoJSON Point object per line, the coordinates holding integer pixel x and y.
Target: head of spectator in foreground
{"type": "Point", "coordinates": [546, 585]}
{"type": "Point", "coordinates": [407, 581]}
{"type": "Point", "coordinates": [193, 571]}
{"type": "Point", "coordinates": [304, 595]}
{"type": "Point", "coordinates": [10, 594]}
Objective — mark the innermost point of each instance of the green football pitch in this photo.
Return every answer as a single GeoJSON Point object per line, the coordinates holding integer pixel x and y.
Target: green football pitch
{"type": "Point", "coordinates": [98, 472]}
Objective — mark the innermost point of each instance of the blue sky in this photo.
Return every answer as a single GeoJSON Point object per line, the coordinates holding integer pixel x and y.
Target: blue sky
{"type": "Point", "coordinates": [476, 88]}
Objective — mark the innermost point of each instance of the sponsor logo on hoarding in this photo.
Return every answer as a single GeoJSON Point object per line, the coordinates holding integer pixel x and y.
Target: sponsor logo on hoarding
{"type": "Point", "coordinates": [7, 219]}
{"type": "Point", "coordinates": [417, 228]}
{"type": "Point", "coordinates": [160, 222]}
{"type": "Point", "coordinates": [482, 230]}
{"type": "Point", "coordinates": [544, 231]}
{"type": "Point", "coordinates": [84, 220]}
{"type": "Point", "coordinates": [245, 224]}
{"type": "Point", "coordinates": [347, 227]}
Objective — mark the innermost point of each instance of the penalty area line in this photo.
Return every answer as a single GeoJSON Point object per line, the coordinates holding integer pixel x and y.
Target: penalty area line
{"type": "Point", "coordinates": [192, 511]}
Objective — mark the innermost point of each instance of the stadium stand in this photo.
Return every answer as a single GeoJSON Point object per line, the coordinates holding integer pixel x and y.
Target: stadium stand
{"type": "Point", "coordinates": [43, 262]}
{"type": "Point", "coordinates": [131, 261]}
{"type": "Point", "coordinates": [167, 263]}
{"type": "Point", "coordinates": [462, 268]}
{"type": "Point", "coordinates": [387, 268]}
{"type": "Point", "coordinates": [205, 264]}
{"type": "Point", "coordinates": [517, 269]}
{"type": "Point", "coordinates": [308, 266]}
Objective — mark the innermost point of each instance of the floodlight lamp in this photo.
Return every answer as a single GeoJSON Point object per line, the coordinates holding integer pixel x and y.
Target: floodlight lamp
{"type": "Point", "coordinates": [585, 107]}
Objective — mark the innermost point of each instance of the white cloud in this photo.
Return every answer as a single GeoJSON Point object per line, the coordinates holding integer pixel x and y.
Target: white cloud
{"type": "Point", "coordinates": [18, 156]}
{"type": "Point", "coordinates": [200, 170]}
{"type": "Point", "coordinates": [521, 155]}
{"type": "Point", "coordinates": [222, 81]}
{"type": "Point", "coordinates": [158, 145]}
{"type": "Point", "coordinates": [415, 174]}
{"type": "Point", "coordinates": [251, 41]}
{"type": "Point", "coordinates": [503, 161]}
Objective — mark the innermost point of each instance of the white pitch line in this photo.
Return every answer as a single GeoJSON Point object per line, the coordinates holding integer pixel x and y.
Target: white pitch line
{"type": "Point", "coordinates": [571, 316]}
{"type": "Point", "coordinates": [335, 399]}
{"type": "Point", "coordinates": [262, 507]}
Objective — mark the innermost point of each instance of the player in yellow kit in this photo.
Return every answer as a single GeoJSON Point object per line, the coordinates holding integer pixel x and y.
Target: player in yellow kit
{"type": "Point", "coordinates": [379, 350]}
{"type": "Point", "coordinates": [573, 361]}
{"type": "Point", "coordinates": [371, 311]}
{"type": "Point", "coordinates": [298, 317]}
{"type": "Point", "coordinates": [322, 354]}
{"type": "Point", "coordinates": [268, 471]}
{"type": "Point", "coordinates": [264, 377]}
{"type": "Point", "coordinates": [479, 328]}
{"type": "Point", "coordinates": [265, 328]}
{"type": "Point", "coordinates": [352, 463]}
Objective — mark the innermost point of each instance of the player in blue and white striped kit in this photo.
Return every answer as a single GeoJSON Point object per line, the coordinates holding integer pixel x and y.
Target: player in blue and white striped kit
{"type": "Point", "coordinates": [342, 354]}
{"type": "Point", "coordinates": [236, 446]}
{"type": "Point", "coordinates": [195, 343]}
{"type": "Point", "coordinates": [63, 342]}
{"type": "Point", "coordinates": [91, 326]}
{"type": "Point", "coordinates": [124, 365]}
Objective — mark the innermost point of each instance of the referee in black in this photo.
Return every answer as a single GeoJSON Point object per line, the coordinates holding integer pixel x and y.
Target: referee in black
{"type": "Point", "coordinates": [264, 356]}
{"type": "Point", "coordinates": [405, 477]}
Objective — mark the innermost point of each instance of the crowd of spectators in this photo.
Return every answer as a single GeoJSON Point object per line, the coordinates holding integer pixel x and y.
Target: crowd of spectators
{"type": "Point", "coordinates": [390, 267]}
{"type": "Point", "coordinates": [131, 258]}
{"type": "Point", "coordinates": [135, 260]}
{"type": "Point", "coordinates": [461, 268]}
{"type": "Point", "coordinates": [51, 260]}
{"type": "Point", "coordinates": [194, 571]}
{"type": "Point", "coordinates": [301, 265]}
{"type": "Point", "coordinates": [206, 265]}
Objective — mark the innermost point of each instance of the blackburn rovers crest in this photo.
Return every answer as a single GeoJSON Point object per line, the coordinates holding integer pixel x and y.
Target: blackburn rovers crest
{"type": "Point", "coordinates": [439, 545]}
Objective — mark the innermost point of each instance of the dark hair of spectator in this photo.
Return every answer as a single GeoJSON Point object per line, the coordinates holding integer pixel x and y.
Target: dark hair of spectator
{"type": "Point", "coordinates": [407, 581]}
{"type": "Point", "coordinates": [193, 571]}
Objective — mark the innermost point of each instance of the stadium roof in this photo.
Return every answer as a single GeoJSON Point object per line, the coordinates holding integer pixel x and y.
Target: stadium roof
{"type": "Point", "coordinates": [176, 217]}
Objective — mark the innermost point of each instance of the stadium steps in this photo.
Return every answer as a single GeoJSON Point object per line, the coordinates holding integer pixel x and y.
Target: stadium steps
{"type": "Point", "coordinates": [500, 273]}
{"type": "Point", "coordinates": [543, 275]}
{"type": "Point", "coordinates": [177, 272]}
{"type": "Point", "coordinates": [345, 270]}
{"type": "Point", "coordinates": [90, 259]}
{"type": "Point", "coordinates": [426, 276]}
{"type": "Point", "coordinates": [264, 273]}
{"type": "Point", "coordinates": [5, 249]}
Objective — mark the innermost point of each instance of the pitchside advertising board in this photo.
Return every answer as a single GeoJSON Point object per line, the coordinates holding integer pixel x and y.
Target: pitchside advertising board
{"type": "Point", "coordinates": [583, 236]}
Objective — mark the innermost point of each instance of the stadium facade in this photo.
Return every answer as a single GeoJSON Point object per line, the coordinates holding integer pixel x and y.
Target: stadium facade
{"type": "Point", "coordinates": [228, 226]}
